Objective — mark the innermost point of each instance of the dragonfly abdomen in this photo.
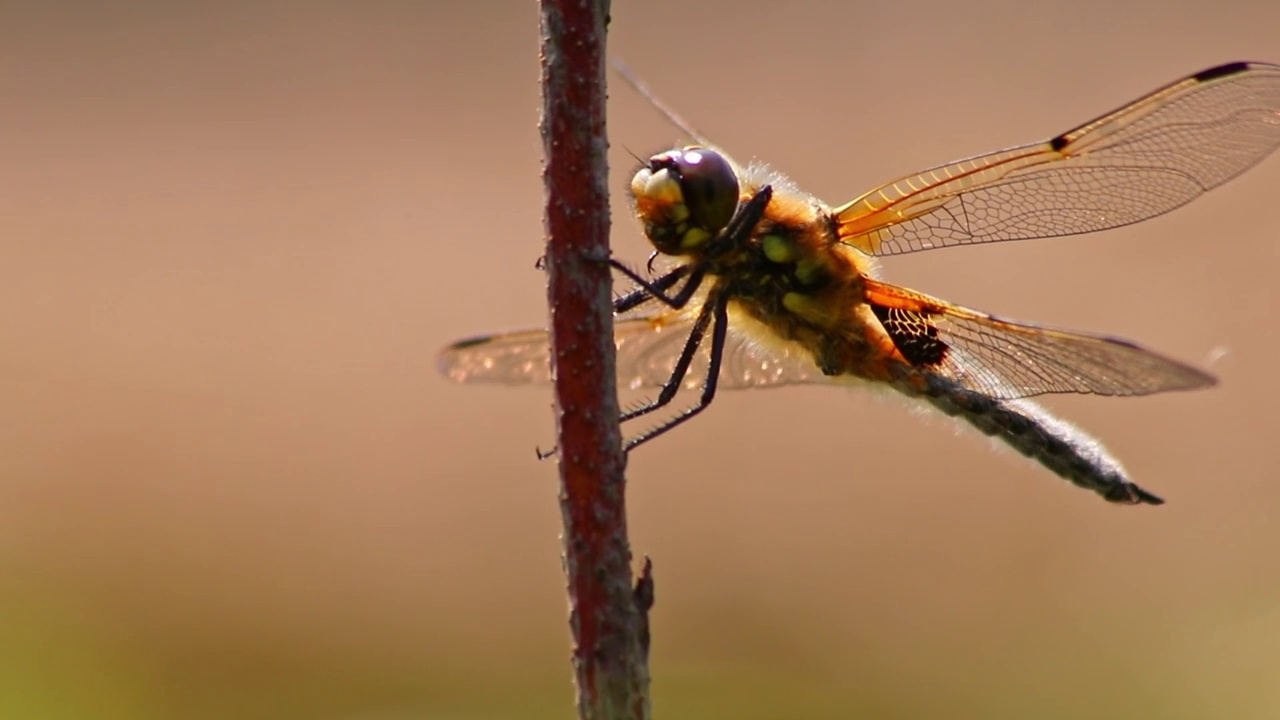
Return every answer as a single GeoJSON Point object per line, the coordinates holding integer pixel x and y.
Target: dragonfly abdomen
{"type": "Point", "coordinates": [1031, 430]}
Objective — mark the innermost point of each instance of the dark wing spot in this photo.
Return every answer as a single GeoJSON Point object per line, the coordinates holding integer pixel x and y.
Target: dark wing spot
{"type": "Point", "coordinates": [471, 342]}
{"type": "Point", "coordinates": [1216, 72]}
{"type": "Point", "coordinates": [914, 336]}
{"type": "Point", "coordinates": [1058, 143]}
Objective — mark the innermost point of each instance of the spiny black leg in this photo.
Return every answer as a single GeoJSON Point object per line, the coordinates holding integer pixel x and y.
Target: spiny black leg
{"type": "Point", "coordinates": [631, 300]}
{"type": "Point", "coordinates": [718, 334]}
{"type": "Point", "coordinates": [677, 301]}
{"type": "Point", "coordinates": [672, 385]}
{"type": "Point", "coordinates": [641, 295]}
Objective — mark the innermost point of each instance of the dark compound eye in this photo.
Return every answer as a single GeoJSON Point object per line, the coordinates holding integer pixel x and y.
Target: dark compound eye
{"type": "Point", "coordinates": [709, 186]}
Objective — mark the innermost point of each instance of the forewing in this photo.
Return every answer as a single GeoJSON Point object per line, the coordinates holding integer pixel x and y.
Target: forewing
{"type": "Point", "coordinates": [1006, 360]}
{"type": "Point", "coordinates": [648, 347]}
{"type": "Point", "coordinates": [1142, 160]}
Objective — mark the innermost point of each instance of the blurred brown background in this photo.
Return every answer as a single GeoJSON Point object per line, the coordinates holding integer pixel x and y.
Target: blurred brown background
{"type": "Point", "coordinates": [233, 236]}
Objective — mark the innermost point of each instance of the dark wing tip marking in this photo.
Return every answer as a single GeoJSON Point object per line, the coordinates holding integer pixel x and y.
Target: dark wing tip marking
{"type": "Point", "coordinates": [471, 342]}
{"type": "Point", "coordinates": [1221, 71]}
{"type": "Point", "coordinates": [1058, 143]}
{"type": "Point", "coordinates": [451, 362]}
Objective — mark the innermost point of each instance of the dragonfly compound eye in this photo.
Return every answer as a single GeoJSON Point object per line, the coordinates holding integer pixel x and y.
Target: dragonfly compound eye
{"type": "Point", "coordinates": [684, 198]}
{"type": "Point", "coordinates": [709, 185]}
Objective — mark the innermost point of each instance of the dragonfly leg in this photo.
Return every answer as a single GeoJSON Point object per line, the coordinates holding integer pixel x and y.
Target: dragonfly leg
{"type": "Point", "coordinates": [714, 311]}
{"type": "Point", "coordinates": [718, 335]}
{"type": "Point", "coordinates": [657, 289]}
{"type": "Point", "coordinates": [672, 385]}
{"type": "Point", "coordinates": [677, 376]}
{"type": "Point", "coordinates": [641, 295]}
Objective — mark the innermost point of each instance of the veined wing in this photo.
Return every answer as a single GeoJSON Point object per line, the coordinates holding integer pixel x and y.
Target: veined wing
{"type": "Point", "coordinates": [1142, 160]}
{"type": "Point", "coordinates": [1007, 359]}
{"type": "Point", "coordinates": [522, 357]}
{"type": "Point", "coordinates": [648, 346]}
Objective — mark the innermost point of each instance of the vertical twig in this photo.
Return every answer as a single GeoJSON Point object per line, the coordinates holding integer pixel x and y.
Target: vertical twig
{"type": "Point", "coordinates": [606, 615]}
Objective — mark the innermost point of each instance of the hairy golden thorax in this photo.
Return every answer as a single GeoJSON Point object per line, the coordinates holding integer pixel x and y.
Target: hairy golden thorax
{"type": "Point", "coordinates": [790, 271]}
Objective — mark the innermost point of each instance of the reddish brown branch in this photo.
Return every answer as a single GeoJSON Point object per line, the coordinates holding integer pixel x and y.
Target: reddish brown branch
{"type": "Point", "coordinates": [605, 617]}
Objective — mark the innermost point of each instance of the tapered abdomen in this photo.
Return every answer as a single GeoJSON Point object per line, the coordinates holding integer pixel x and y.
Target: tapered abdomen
{"type": "Point", "coordinates": [1032, 431]}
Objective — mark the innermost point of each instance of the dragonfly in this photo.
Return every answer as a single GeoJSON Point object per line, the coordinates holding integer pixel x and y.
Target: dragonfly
{"type": "Point", "coordinates": [768, 286]}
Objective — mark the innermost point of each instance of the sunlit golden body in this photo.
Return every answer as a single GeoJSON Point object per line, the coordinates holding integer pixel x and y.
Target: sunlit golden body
{"type": "Point", "coordinates": [794, 276]}
{"type": "Point", "coordinates": [770, 286]}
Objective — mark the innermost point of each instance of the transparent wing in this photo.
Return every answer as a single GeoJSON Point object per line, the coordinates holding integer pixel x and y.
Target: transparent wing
{"type": "Point", "coordinates": [514, 358]}
{"type": "Point", "coordinates": [1142, 160]}
{"type": "Point", "coordinates": [1005, 359]}
{"type": "Point", "coordinates": [648, 347]}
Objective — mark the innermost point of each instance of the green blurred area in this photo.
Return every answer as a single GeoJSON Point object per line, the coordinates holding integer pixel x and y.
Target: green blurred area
{"type": "Point", "coordinates": [232, 485]}
{"type": "Point", "coordinates": [68, 660]}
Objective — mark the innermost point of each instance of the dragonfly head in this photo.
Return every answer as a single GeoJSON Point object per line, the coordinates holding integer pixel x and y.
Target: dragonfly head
{"type": "Point", "coordinates": [684, 198]}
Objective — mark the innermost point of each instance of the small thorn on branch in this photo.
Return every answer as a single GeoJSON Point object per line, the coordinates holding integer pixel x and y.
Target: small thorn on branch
{"type": "Point", "coordinates": [643, 597]}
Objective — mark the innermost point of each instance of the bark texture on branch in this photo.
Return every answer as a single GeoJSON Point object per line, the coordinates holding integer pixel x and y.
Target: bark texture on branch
{"type": "Point", "coordinates": [607, 616]}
